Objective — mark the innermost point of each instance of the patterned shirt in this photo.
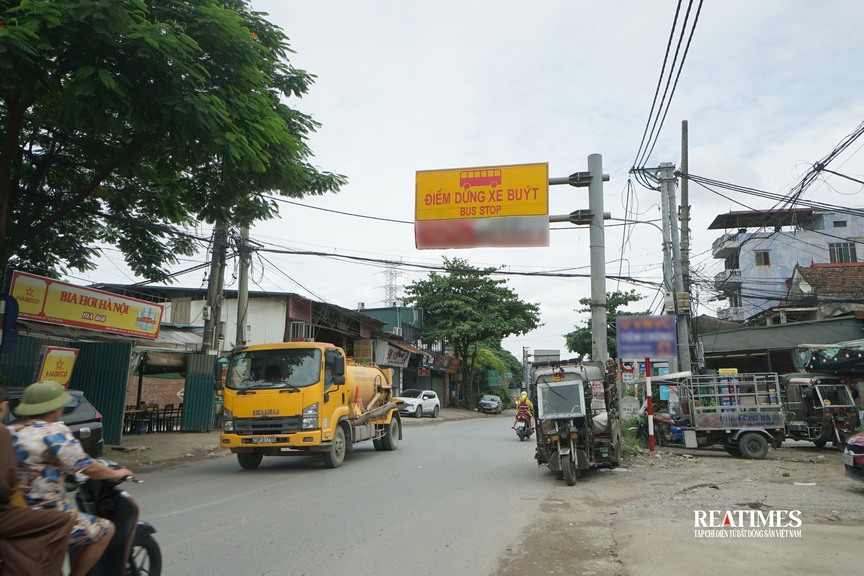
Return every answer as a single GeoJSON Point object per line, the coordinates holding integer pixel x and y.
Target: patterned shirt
{"type": "Point", "coordinates": [47, 452]}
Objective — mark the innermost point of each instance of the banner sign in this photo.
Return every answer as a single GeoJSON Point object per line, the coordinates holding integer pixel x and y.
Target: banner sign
{"type": "Point", "coordinates": [646, 336]}
{"type": "Point", "coordinates": [54, 302]}
{"type": "Point", "coordinates": [57, 364]}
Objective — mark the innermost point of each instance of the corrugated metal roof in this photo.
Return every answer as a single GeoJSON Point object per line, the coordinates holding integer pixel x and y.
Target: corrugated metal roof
{"type": "Point", "coordinates": [759, 218]}
{"type": "Point", "coordinates": [170, 338]}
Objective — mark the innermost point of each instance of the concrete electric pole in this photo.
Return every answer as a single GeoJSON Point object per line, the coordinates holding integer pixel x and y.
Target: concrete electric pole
{"type": "Point", "coordinates": [213, 307]}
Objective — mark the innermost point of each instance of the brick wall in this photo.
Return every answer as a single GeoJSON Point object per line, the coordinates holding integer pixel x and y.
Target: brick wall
{"type": "Point", "coordinates": [155, 391]}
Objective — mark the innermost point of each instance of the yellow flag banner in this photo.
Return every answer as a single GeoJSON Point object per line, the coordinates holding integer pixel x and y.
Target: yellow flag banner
{"type": "Point", "coordinates": [55, 302]}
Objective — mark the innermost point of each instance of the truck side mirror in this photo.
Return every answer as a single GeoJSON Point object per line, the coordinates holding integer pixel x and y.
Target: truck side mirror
{"type": "Point", "coordinates": [336, 363]}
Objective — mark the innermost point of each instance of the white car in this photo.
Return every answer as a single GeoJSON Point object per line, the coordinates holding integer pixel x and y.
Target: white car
{"type": "Point", "coordinates": [419, 402]}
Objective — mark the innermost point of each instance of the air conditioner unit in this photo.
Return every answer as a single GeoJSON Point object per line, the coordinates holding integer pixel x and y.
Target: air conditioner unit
{"type": "Point", "coordinates": [397, 330]}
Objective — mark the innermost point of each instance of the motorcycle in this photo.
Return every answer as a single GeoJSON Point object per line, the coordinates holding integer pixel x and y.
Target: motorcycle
{"type": "Point", "coordinates": [133, 551]}
{"type": "Point", "coordinates": [523, 426]}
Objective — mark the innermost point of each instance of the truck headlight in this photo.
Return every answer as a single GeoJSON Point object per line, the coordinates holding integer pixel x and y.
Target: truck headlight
{"type": "Point", "coordinates": [227, 420]}
{"type": "Point", "coordinates": [310, 417]}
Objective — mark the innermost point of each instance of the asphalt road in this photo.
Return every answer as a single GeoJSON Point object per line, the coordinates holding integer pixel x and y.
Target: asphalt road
{"type": "Point", "coordinates": [449, 500]}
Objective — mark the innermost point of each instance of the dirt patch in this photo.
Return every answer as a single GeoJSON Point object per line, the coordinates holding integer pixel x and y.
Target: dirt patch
{"type": "Point", "coordinates": [640, 518]}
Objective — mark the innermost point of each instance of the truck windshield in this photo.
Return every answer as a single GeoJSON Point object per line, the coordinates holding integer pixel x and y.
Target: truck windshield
{"type": "Point", "coordinates": [264, 369]}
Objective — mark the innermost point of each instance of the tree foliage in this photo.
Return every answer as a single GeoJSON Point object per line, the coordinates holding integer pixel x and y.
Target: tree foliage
{"type": "Point", "coordinates": [124, 120]}
{"type": "Point", "coordinates": [580, 340]}
{"type": "Point", "coordinates": [465, 307]}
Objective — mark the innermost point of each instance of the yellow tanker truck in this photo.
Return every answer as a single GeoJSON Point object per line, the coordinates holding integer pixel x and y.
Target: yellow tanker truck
{"type": "Point", "coordinates": [296, 398]}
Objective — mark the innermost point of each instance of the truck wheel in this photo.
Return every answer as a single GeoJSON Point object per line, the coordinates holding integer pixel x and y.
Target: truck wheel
{"type": "Point", "coordinates": [334, 457]}
{"type": "Point", "coordinates": [753, 446]}
{"type": "Point", "coordinates": [616, 454]}
{"type": "Point", "coordinates": [820, 443]}
{"type": "Point", "coordinates": [377, 444]}
{"type": "Point", "coordinates": [249, 460]}
{"type": "Point", "coordinates": [435, 412]}
{"type": "Point", "coordinates": [390, 440]}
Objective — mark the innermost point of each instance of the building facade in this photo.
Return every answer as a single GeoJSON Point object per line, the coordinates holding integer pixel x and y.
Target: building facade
{"type": "Point", "coordinates": [765, 248]}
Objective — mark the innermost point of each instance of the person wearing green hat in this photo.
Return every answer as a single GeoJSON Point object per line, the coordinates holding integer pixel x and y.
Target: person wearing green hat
{"type": "Point", "coordinates": [31, 541]}
{"type": "Point", "coordinates": [47, 452]}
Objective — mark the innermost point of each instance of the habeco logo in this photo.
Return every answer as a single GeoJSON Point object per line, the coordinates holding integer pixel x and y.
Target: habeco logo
{"type": "Point", "coordinates": [747, 523]}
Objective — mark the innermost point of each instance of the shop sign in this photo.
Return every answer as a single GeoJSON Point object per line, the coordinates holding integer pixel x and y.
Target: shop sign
{"type": "Point", "coordinates": [57, 364]}
{"type": "Point", "coordinates": [389, 355]}
{"type": "Point", "coordinates": [363, 351]}
{"type": "Point", "coordinates": [54, 302]}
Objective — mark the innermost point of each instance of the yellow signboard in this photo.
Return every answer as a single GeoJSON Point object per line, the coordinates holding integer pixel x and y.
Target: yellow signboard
{"type": "Point", "coordinates": [486, 192]}
{"type": "Point", "coordinates": [54, 302]}
{"type": "Point", "coordinates": [57, 365]}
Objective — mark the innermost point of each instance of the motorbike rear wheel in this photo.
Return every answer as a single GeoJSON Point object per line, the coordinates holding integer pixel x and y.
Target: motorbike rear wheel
{"type": "Point", "coordinates": [145, 556]}
{"type": "Point", "coordinates": [571, 471]}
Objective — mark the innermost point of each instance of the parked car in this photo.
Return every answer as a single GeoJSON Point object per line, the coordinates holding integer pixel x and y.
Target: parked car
{"type": "Point", "coordinates": [79, 415]}
{"type": "Point", "coordinates": [853, 457]}
{"type": "Point", "coordinates": [419, 402]}
{"type": "Point", "coordinates": [490, 404]}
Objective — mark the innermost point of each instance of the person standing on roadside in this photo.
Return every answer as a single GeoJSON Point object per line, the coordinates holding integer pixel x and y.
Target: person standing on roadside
{"type": "Point", "coordinates": [47, 452]}
{"type": "Point", "coordinates": [31, 541]}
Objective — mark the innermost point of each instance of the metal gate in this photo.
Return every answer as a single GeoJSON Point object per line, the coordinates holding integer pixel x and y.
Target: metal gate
{"type": "Point", "coordinates": [199, 397]}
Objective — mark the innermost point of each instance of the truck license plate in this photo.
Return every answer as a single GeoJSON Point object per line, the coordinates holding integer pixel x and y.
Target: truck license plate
{"type": "Point", "coordinates": [263, 439]}
{"type": "Point", "coordinates": [847, 458]}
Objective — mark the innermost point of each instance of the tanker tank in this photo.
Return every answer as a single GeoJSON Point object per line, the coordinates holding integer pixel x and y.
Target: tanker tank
{"type": "Point", "coordinates": [369, 380]}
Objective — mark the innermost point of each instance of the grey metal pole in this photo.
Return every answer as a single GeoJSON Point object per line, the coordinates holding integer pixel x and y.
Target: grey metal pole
{"type": "Point", "coordinates": [243, 287]}
{"type": "Point", "coordinates": [599, 347]}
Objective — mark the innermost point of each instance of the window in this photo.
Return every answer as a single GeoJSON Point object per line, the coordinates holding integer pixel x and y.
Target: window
{"type": "Point", "coordinates": [762, 258]}
{"type": "Point", "coordinates": [842, 252]}
{"type": "Point", "coordinates": [839, 224]}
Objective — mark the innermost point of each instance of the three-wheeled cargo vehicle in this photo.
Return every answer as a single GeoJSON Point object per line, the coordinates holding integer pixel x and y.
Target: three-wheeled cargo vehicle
{"type": "Point", "coordinates": [741, 413]}
{"type": "Point", "coordinates": [577, 418]}
{"type": "Point", "coordinates": [819, 408]}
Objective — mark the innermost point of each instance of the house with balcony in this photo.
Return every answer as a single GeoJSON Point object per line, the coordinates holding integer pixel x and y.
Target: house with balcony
{"type": "Point", "coordinates": [817, 292]}
{"type": "Point", "coordinates": [762, 249]}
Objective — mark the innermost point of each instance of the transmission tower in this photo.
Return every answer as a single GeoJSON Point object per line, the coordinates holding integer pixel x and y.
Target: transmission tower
{"type": "Point", "coordinates": [391, 288]}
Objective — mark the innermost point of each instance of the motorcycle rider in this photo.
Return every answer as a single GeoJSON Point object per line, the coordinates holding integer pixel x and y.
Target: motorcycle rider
{"type": "Point", "coordinates": [524, 406]}
{"type": "Point", "coordinates": [31, 541]}
{"type": "Point", "coordinates": [46, 453]}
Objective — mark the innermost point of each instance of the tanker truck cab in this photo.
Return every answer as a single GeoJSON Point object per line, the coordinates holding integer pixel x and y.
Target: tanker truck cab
{"type": "Point", "coordinates": [301, 398]}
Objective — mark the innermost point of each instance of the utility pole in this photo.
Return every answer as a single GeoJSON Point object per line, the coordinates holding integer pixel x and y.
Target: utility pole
{"type": "Point", "coordinates": [594, 217]}
{"type": "Point", "coordinates": [213, 307]}
{"type": "Point", "coordinates": [245, 254]}
{"type": "Point", "coordinates": [667, 190]}
{"type": "Point", "coordinates": [684, 216]}
{"type": "Point", "coordinates": [597, 239]}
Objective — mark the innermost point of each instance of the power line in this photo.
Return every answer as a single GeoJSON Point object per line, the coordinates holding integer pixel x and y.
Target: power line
{"type": "Point", "coordinates": [651, 133]}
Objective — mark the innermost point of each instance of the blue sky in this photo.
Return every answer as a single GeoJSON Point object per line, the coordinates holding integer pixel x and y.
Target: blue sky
{"type": "Point", "coordinates": [768, 88]}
